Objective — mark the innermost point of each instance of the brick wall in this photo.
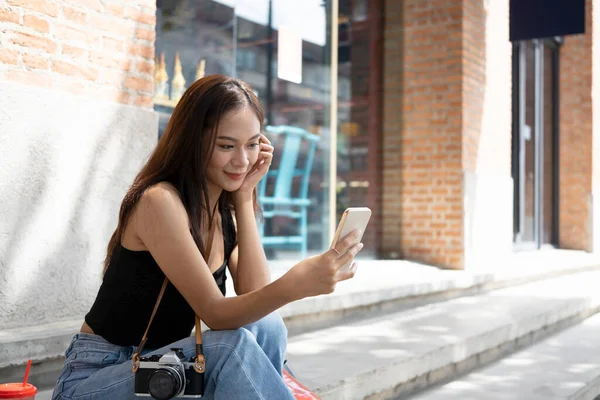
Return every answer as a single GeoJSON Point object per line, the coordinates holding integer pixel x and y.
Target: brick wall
{"type": "Point", "coordinates": [575, 139]}
{"type": "Point", "coordinates": [99, 49]}
{"type": "Point", "coordinates": [446, 139]}
{"type": "Point", "coordinates": [422, 181]}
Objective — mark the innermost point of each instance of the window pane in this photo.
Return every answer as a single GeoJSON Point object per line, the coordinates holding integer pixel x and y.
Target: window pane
{"type": "Point", "coordinates": [357, 112]}
{"type": "Point", "coordinates": [243, 38]}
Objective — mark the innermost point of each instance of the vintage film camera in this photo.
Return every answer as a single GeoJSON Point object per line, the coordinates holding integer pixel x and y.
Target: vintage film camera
{"type": "Point", "coordinates": [168, 376]}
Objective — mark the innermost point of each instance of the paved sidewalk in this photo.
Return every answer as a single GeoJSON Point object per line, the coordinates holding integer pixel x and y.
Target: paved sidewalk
{"type": "Point", "coordinates": [376, 281]}
{"type": "Point", "coordinates": [564, 366]}
{"type": "Point", "coordinates": [381, 280]}
{"type": "Point", "coordinates": [377, 354]}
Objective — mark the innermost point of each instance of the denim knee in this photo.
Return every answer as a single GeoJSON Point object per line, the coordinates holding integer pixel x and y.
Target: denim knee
{"type": "Point", "coordinates": [273, 327]}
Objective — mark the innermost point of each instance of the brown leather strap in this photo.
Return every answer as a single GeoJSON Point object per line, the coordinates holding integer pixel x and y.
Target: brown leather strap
{"type": "Point", "coordinates": [136, 355]}
{"type": "Point", "coordinates": [200, 364]}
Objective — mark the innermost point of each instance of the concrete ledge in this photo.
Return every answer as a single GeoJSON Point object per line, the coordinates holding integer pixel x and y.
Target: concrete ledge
{"type": "Point", "coordinates": [44, 344]}
{"type": "Point", "coordinates": [379, 286]}
{"type": "Point", "coordinates": [38, 343]}
{"type": "Point", "coordinates": [399, 284]}
{"type": "Point", "coordinates": [564, 366]}
{"type": "Point", "coordinates": [397, 354]}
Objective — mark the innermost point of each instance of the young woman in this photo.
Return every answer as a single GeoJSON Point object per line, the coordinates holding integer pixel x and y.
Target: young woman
{"type": "Point", "coordinates": [205, 168]}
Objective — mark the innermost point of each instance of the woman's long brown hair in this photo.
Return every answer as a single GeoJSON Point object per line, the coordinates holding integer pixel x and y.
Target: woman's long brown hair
{"type": "Point", "coordinates": [182, 154]}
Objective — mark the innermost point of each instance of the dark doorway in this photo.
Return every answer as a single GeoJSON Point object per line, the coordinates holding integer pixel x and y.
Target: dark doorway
{"type": "Point", "coordinates": [535, 143]}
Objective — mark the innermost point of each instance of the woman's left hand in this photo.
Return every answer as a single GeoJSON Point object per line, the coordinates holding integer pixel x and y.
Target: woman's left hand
{"type": "Point", "coordinates": [260, 168]}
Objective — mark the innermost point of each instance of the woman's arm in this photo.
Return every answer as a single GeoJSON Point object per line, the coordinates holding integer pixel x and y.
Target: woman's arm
{"type": "Point", "coordinates": [253, 272]}
{"type": "Point", "coordinates": [161, 222]}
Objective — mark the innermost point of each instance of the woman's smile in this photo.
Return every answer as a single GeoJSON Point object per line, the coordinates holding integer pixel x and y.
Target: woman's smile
{"type": "Point", "coordinates": [236, 177]}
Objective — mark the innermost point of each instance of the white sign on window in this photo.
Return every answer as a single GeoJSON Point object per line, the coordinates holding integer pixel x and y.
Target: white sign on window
{"type": "Point", "coordinates": [289, 55]}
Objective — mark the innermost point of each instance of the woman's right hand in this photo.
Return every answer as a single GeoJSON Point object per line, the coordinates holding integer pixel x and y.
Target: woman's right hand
{"type": "Point", "coordinates": [319, 274]}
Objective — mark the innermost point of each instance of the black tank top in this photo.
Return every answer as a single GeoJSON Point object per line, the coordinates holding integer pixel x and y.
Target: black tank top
{"type": "Point", "coordinates": [128, 293]}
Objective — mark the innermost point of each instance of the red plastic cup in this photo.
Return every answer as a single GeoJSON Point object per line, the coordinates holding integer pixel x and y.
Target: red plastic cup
{"type": "Point", "coordinates": [17, 391]}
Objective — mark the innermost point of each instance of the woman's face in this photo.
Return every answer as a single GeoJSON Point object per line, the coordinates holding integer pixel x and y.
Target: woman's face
{"type": "Point", "coordinates": [236, 149]}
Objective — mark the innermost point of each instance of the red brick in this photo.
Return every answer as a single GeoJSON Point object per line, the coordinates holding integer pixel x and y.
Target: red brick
{"type": "Point", "coordinates": [35, 61]}
{"type": "Point", "coordinates": [145, 67]}
{"type": "Point", "coordinates": [33, 41]}
{"type": "Point", "coordinates": [143, 101]}
{"type": "Point", "coordinates": [76, 16]}
{"type": "Point", "coordinates": [145, 34]}
{"type": "Point", "coordinates": [41, 6]}
{"type": "Point", "coordinates": [115, 9]}
{"type": "Point", "coordinates": [139, 84]}
{"type": "Point", "coordinates": [40, 25]}
{"type": "Point", "coordinates": [72, 70]}
{"type": "Point", "coordinates": [114, 26]}
{"type": "Point", "coordinates": [148, 18]}
{"type": "Point", "coordinates": [9, 16]}
{"type": "Point", "coordinates": [109, 60]}
{"type": "Point", "coordinates": [434, 54]}
{"type": "Point", "coordinates": [8, 56]}
{"type": "Point", "coordinates": [576, 140]}
{"type": "Point", "coordinates": [95, 5]}
{"type": "Point", "coordinates": [112, 77]}
{"type": "Point", "coordinates": [73, 51]}
{"type": "Point", "coordinates": [70, 34]}
{"type": "Point", "coordinates": [146, 51]}
{"type": "Point", "coordinates": [112, 45]}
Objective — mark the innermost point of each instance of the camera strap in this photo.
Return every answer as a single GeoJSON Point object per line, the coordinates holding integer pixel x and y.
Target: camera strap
{"type": "Point", "coordinates": [200, 363]}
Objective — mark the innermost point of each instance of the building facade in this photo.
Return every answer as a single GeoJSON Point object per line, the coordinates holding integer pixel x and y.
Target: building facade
{"type": "Point", "coordinates": [489, 144]}
{"type": "Point", "coordinates": [466, 145]}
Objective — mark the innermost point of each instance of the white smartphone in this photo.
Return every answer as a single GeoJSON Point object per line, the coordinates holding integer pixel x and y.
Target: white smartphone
{"type": "Point", "coordinates": [353, 218]}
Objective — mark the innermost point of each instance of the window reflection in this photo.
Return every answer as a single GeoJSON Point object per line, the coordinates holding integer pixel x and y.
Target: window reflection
{"type": "Point", "coordinates": [243, 38]}
{"type": "Point", "coordinates": [359, 110]}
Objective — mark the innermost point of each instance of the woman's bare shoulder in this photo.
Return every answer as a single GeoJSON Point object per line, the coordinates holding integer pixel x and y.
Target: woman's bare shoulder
{"type": "Point", "coordinates": [160, 201]}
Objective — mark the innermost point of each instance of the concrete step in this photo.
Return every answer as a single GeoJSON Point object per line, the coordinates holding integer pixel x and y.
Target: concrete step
{"type": "Point", "coordinates": [44, 394]}
{"type": "Point", "coordinates": [397, 354]}
{"type": "Point", "coordinates": [564, 366]}
{"type": "Point", "coordinates": [378, 287]}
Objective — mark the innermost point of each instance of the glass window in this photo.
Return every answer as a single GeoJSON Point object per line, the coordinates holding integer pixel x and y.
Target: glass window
{"type": "Point", "coordinates": [282, 49]}
{"type": "Point", "coordinates": [359, 74]}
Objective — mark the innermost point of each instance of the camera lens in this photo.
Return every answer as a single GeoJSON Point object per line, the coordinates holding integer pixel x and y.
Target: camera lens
{"type": "Point", "coordinates": [165, 383]}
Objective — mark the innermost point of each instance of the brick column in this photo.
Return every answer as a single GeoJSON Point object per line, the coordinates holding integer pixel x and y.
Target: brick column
{"type": "Point", "coordinates": [422, 196]}
{"type": "Point", "coordinates": [440, 128]}
{"type": "Point", "coordinates": [578, 139]}
{"type": "Point", "coordinates": [98, 49]}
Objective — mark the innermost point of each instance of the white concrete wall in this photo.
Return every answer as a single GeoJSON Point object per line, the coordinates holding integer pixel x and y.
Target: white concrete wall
{"type": "Point", "coordinates": [65, 163]}
{"type": "Point", "coordinates": [488, 192]}
{"type": "Point", "coordinates": [488, 220]}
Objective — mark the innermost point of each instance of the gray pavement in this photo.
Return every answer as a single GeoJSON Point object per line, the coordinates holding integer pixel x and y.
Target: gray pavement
{"type": "Point", "coordinates": [382, 343]}
{"type": "Point", "coordinates": [44, 395]}
{"type": "Point", "coordinates": [564, 366]}
{"type": "Point", "coordinates": [375, 355]}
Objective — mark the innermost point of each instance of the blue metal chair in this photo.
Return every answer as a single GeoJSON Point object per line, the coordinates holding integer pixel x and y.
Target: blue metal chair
{"type": "Point", "coordinates": [282, 201]}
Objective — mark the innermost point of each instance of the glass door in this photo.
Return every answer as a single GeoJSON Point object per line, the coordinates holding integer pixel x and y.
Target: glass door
{"type": "Point", "coordinates": [535, 138]}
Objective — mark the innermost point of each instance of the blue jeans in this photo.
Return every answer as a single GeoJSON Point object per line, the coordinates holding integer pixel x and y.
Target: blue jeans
{"type": "Point", "coordinates": [245, 363]}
